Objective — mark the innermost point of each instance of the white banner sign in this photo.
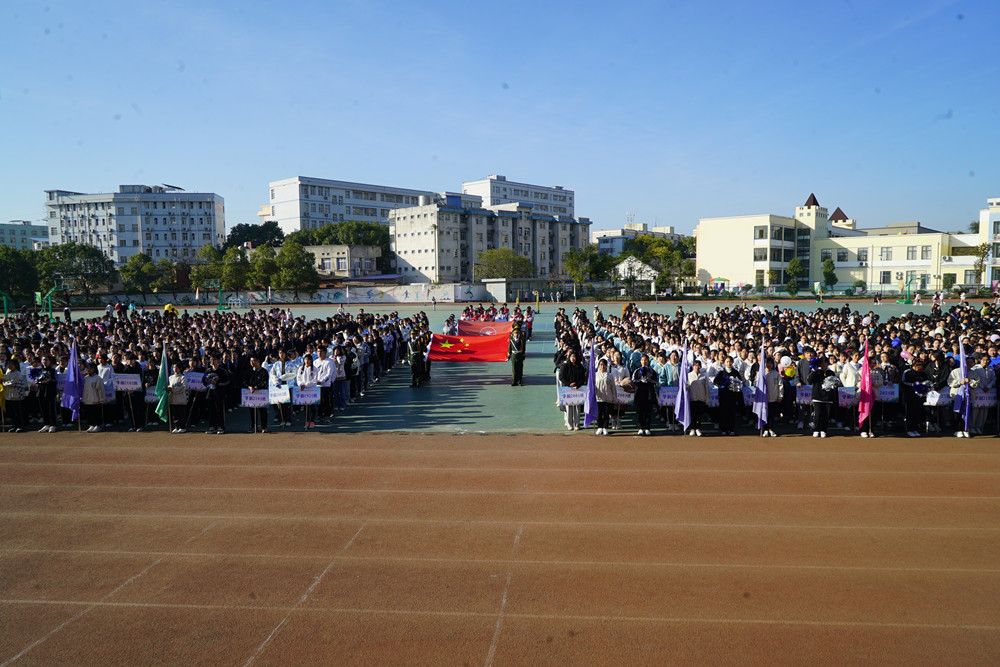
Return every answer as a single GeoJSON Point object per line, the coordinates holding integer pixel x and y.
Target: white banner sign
{"type": "Point", "coordinates": [279, 395]}
{"type": "Point", "coordinates": [194, 381]}
{"type": "Point", "coordinates": [888, 393]}
{"type": "Point", "coordinates": [804, 394]}
{"type": "Point", "coordinates": [151, 395]}
{"type": "Point", "coordinates": [982, 399]}
{"type": "Point", "coordinates": [847, 396]}
{"type": "Point", "coordinates": [623, 397]}
{"type": "Point", "coordinates": [668, 395]}
{"type": "Point", "coordinates": [307, 396]}
{"type": "Point", "coordinates": [255, 399]}
{"type": "Point", "coordinates": [570, 396]}
{"type": "Point", "coordinates": [128, 382]}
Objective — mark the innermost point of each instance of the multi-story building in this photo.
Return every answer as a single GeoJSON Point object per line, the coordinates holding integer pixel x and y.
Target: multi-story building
{"type": "Point", "coordinates": [612, 241]}
{"type": "Point", "coordinates": [345, 261]}
{"type": "Point", "coordinates": [495, 190]}
{"type": "Point", "coordinates": [440, 239]}
{"type": "Point", "coordinates": [22, 234]}
{"type": "Point", "coordinates": [309, 203]}
{"type": "Point", "coordinates": [756, 250]}
{"type": "Point", "coordinates": [161, 221]}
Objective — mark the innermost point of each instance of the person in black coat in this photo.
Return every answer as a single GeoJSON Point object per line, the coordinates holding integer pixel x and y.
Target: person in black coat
{"type": "Point", "coordinates": [644, 379]}
{"type": "Point", "coordinates": [913, 388]}
{"type": "Point", "coordinates": [730, 385]}
{"type": "Point", "coordinates": [257, 379]}
{"type": "Point", "coordinates": [572, 374]}
{"type": "Point", "coordinates": [824, 394]}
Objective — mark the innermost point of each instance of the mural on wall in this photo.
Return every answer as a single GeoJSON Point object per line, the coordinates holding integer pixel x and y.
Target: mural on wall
{"type": "Point", "coordinates": [416, 293]}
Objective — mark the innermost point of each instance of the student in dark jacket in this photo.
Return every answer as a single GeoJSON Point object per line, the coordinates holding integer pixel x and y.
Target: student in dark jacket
{"type": "Point", "coordinates": [824, 394]}
{"type": "Point", "coordinates": [730, 386]}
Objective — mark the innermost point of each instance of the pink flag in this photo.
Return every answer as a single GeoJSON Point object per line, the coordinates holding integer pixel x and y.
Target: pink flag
{"type": "Point", "coordinates": [866, 396]}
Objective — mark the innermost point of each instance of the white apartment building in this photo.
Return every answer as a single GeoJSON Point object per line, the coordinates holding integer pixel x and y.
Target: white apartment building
{"type": "Point", "coordinates": [612, 241]}
{"type": "Point", "coordinates": [440, 239]}
{"type": "Point", "coordinates": [756, 250]}
{"type": "Point", "coordinates": [496, 189]}
{"type": "Point", "coordinates": [163, 221]}
{"type": "Point", "coordinates": [309, 203]}
{"type": "Point", "coordinates": [22, 234]}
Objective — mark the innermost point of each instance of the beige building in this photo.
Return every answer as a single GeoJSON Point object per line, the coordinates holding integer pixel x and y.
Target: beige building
{"type": "Point", "coordinates": [756, 250]}
{"type": "Point", "coordinates": [612, 241]}
{"type": "Point", "coordinates": [345, 261]}
{"type": "Point", "coordinates": [440, 239]}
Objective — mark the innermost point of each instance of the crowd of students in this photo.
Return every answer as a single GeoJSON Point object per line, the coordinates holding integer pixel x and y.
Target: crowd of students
{"type": "Point", "coordinates": [343, 355]}
{"type": "Point", "coordinates": [639, 352]}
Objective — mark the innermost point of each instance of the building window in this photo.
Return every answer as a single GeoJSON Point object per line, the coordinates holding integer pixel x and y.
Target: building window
{"type": "Point", "coordinates": [925, 252]}
{"type": "Point", "coordinates": [885, 277]}
{"type": "Point", "coordinates": [760, 254]}
{"type": "Point", "coordinates": [341, 264]}
{"type": "Point", "coordinates": [911, 252]}
{"type": "Point", "coordinates": [885, 254]}
{"type": "Point", "coordinates": [775, 254]}
{"type": "Point", "coordinates": [862, 254]}
{"type": "Point", "coordinates": [841, 255]}
{"type": "Point", "coordinates": [776, 233]}
{"type": "Point", "coordinates": [971, 277]}
{"type": "Point", "coordinates": [825, 255]}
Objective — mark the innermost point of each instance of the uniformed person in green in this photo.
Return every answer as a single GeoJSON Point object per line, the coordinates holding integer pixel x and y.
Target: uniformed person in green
{"type": "Point", "coordinates": [425, 341]}
{"type": "Point", "coordinates": [515, 353]}
{"type": "Point", "coordinates": [415, 355]}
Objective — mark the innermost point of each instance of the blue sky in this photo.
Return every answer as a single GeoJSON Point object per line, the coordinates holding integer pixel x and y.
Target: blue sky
{"type": "Point", "coordinates": [672, 110]}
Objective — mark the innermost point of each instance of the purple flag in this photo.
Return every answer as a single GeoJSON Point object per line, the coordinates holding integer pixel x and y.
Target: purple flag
{"type": "Point", "coordinates": [963, 399]}
{"type": "Point", "coordinates": [760, 394]}
{"type": "Point", "coordinates": [590, 403]}
{"type": "Point", "coordinates": [73, 391]}
{"type": "Point", "coordinates": [683, 407]}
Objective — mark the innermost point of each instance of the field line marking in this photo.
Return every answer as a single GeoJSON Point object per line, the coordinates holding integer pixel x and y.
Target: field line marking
{"type": "Point", "coordinates": [490, 522]}
{"type": "Point", "coordinates": [503, 603]}
{"type": "Point", "coordinates": [509, 561]}
{"type": "Point", "coordinates": [526, 616]}
{"type": "Point", "coordinates": [672, 471]}
{"type": "Point", "coordinates": [472, 492]}
{"type": "Point", "coordinates": [300, 602]}
{"type": "Point", "coordinates": [83, 613]}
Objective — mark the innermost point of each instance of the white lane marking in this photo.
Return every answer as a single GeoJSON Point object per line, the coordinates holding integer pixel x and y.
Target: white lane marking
{"type": "Point", "coordinates": [92, 606]}
{"type": "Point", "coordinates": [302, 600]}
{"type": "Point", "coordinates": [472, 492]}
{"type": "Point", "coordinates": [671, 471]}
{"type": "Point", "coordinates": [474, 614]}
{"type": "Point", "coordinates": [502, 561]}
{"type": "Point", "coordinates": [491, 522]}
{"type": "Point", "coordinates": [203, 531]}
{"type": "Point", "coordinates": [503, 603]}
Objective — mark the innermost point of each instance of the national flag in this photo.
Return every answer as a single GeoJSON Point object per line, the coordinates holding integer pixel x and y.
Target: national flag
{"type": "Point", "coordinates": [197, 294]}
{"type": "Point", "coordinates": [468, 348]}
{"type": "Point", "coordinates": [963, 399]}
{"type": "Point", "coordinates": [162, 384]}
{"type": "Point", "coordinates": [866, 393]}
{"type": "Point", "coordinates": [590, 402]}
{"type": "Point", "coordinates": [474, 328]}
{"type": "Point", "coordinates": [760, 393]}
{"type": "Point", "coordinates": [683, 407]}
{"type": "Point", "coordinates": [73, 391]}
{"type": "Point", "coordinates": [3, 395]}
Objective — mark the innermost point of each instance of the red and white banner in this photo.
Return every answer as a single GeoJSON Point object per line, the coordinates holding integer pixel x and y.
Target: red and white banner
{"type": "Point", "coordinates": [476, 328]}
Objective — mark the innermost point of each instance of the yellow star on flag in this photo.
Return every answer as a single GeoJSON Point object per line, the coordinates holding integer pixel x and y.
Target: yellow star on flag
{"type": "Point", "coordinates": [447, 345]}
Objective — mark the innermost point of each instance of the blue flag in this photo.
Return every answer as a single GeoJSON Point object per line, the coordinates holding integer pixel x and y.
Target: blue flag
{"type": "Point", "coordinates": [590, 403]}
{"type": "Point", "coordinates": [760, 393]}
{"type": "Point", "coordinates": [73, 391]}
{"type": "Point", "coordinates": [683, 407]}
{"type": "Point", "coordinates": [963, 399]}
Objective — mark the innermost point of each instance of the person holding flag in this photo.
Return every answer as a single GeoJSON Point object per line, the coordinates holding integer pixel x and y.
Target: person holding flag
{"type": "Point", "coordinates": [866, 395]}
{"type": "Point", "coordinates": [762, 403]}
{"type": "Point", "coordinates": [682, 409]}
{"type": "Point", "coordinates": [163, 389]}
{"type": "Point", "coordinates": [15, 388]}
{"type": "Point", "coordinates": [960, 392]}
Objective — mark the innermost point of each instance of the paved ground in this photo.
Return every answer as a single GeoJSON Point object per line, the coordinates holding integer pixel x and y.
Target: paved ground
{"type": "Point", "coordinates": [499, 549]}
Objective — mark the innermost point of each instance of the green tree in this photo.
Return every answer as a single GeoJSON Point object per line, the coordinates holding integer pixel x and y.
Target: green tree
{"type": "Point", "coordinates": [350, 232]}
{"type": "Point", "coordinates": [262, 267]}
{"type": "Point", "coordinates": [948, 281]}
{"type": "Point", "coordinates": [295, 268]}
{"type": "Point", "coordinates": [166, 276]}
{"type": "Point", "coordinates": [503, 263]}
{"type": "Point", "coordinates": [265, 233]}
{"type": "Point", "coordinates": [234, 269]}
{"type": "Point", "coordinates": [974, 227]}
{"type": "Point", "coordinates": [85, 266]}
{"type": "Point", "coordinates": [982, 257]}
{"type": "Point", "coordinates": [576, 263]}
{"type": "Point", "coordinates": [18, 275]}
{"type": "Point", "coordinates": [795, 268]}
{"type": "Point", "coordinates": [792, 286]}
{"type": "Point", "coordinates": [860, 286]}
{"type": "Point", "coordinates": [140, 273]}
{"type": "Point", "coordinates": [209, 266]}
{"type": "Point", "coordinates": [829, 273]}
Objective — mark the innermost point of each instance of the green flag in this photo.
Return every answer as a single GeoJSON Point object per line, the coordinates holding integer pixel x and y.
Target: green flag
{"type": "Point", "coordinates": [162, 382]}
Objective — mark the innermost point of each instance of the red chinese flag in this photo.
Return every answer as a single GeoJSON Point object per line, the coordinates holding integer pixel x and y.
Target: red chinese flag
{"type": "Point", "coordinates": [468, 348]}
{"type": "Point", "coordinates": [474, 328]}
